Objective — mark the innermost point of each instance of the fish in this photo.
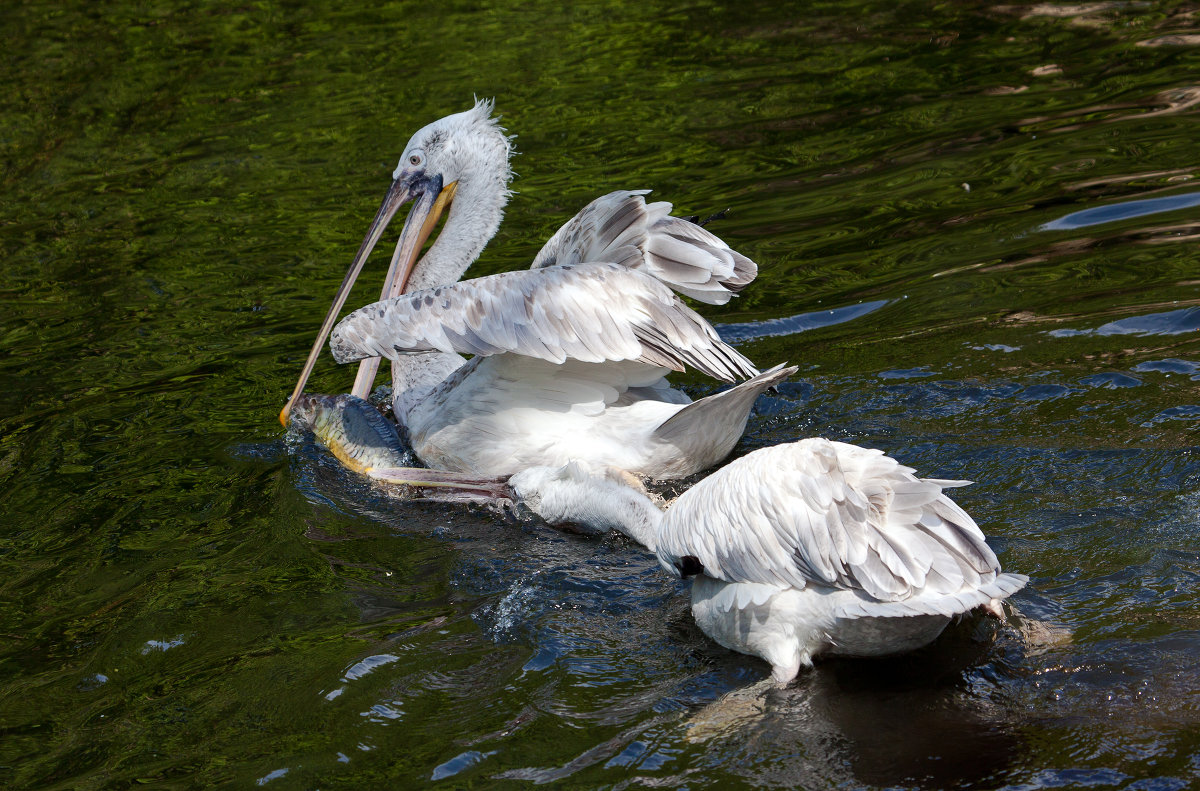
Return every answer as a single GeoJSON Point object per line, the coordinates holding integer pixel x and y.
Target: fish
{"type": "Point", "coordinates": [355, 432]}
{"type": "Point", "coordinates": [368, 444]}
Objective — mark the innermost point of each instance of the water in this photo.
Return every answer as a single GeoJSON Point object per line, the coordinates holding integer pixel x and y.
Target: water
{"type": "Point", "coordinates": [977, 232]}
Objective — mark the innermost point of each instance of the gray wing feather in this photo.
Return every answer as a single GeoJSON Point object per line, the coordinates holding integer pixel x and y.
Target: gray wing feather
{"type": "Point", "coordinates": [589, 312]}
{"type": "Point", "coordinates": [622, 228]}
{"type": "Point", "coordinates": [831, 514]}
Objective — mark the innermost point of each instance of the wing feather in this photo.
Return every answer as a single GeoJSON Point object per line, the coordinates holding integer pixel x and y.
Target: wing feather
{"type": "Point", "coordinates": [831, 514]}
{"type": "Point", "coordinates": [622, 228]}
{"type": "Point", "coordinates": [590, 312]}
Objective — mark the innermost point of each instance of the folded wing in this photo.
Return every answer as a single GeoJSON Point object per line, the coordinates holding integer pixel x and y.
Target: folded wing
{"type": "Point", "coordinates": [831, 514]}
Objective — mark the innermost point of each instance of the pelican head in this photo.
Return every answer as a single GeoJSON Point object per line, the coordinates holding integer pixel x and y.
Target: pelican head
{"type": "Point", "coordinates": [458, 162]}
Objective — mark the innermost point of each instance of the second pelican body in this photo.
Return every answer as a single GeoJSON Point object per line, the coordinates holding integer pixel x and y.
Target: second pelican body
{"type": "Point", "coordinates": [794, 551]}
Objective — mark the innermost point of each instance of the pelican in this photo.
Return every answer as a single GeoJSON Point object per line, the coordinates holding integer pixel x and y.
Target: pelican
{"type": "Point", "coordinates": [569, 357]}
{"type": "Point", "coordinates": [797, 550]}
{"type": "Point", "coordinates": [809, 548]}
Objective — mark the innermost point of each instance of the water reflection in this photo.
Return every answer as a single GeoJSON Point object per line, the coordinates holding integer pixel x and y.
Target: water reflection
{"type": "Point", "coordinates": [924, 721]}
{"type": "Point", "coordinates": [1071, 11]}
{"type": "Point", "coordinates": [1122, 211]}
{"type": "Point", "coordinates": [1173, 40]}
{"type": "Point", "coordinates": [801, 322]}
{"type": "Point", "coordinates": [1174, 322]}
{"type": "Point", "coordinates": [459, 763]}
{"type": "Point", "coordinates": [1171, 366]}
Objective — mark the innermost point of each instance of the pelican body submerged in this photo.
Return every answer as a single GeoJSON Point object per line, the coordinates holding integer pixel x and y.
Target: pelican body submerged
{"type": "Point", "coordinates": [803, 549]}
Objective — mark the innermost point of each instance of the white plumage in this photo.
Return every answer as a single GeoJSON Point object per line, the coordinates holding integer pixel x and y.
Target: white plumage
{"type": "Point", "coordinates": [621, 227]}
{"type": "Point", "coordinates": [569, 356]}
{"type": "Point", "coordinates": [802, 549]}
{"type": "Point", "coordinates": [592, 313]}
{"type": "Point", "coordinates": [814, 547]}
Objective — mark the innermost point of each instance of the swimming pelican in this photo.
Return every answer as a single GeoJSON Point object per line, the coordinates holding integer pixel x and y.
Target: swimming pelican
{"type": "Point", "coordinates": [814, 547]}
{"type": "Point", "coordinates": [795, 550]}
{"type": "Point", "coordinates": [569, 356]}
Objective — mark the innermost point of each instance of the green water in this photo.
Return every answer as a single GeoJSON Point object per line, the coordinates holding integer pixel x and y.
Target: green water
{"type": "Point", "coordinates": [186, 600]}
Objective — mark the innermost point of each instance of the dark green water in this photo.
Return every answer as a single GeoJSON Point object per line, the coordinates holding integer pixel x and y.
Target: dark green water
{"type": "Point", "coordinates": [186, 602]}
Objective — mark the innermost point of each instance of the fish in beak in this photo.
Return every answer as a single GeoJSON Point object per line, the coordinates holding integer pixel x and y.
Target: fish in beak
{"type": "Point", "coordinates": [367, 443]}
{"type": "Point", "coordinates": [430, 199]}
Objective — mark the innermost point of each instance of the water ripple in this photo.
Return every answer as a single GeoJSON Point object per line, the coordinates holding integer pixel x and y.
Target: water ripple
{"type": "Point", "coordinates": [1174, 322]}
{"type": "Point", "coordinates": [365, 666]}
{"type": "Point", "coordinates": [1122, 211]}
{"type": "Point", "coordinates": [1169, 366]}
{"type": "Point", "coordinates": [801, 322]}
{"type": "Point", "coordinates": [458, 763]}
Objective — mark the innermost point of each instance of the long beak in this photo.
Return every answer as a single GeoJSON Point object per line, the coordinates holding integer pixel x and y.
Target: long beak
{"type": "Point", "coordinates": [420, 224]}
{"type": "Point", "coordinates": [417, 227]}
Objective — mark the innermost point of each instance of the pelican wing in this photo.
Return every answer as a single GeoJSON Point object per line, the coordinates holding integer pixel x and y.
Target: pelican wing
{"type": "Point", "coordinates": [830, 514]}
{"type": "Point", "coordinates": [587, 312]}
{"type": "Point", "coordinates": [622, 228]}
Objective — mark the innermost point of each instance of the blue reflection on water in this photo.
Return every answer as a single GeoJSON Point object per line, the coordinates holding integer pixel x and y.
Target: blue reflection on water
{"type": "Point", "coordinates": [789, 325]}
{"type": "Point", "coordinates": [1189, 412]}
{"type": "Point", "coordinates": [906, 373]}
{"type": "Point", "coordinates": [1122, 211]}
{"type": "Point", "coordinates": [459, 763]}
{"type": "Point", "coordinates": [269, 776]}
{"type": "Point", "coordinates": [1171, 365]}
{"type": "Point", "coordinates": [1111, 380]}
{"type": "Point", "coordinates": [1174, 322]}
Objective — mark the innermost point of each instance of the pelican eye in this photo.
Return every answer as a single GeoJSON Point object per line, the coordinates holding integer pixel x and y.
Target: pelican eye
{"type": "Point", "coordinates": [415, 159]}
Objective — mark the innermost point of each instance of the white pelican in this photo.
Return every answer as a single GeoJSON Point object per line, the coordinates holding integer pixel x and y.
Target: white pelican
{"type": "Point", "coordinates": [814, 547]}
{"type": "Point", "coordinates": [796, 550]}
{"type": "Point", "coordinates": [569, 357]}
